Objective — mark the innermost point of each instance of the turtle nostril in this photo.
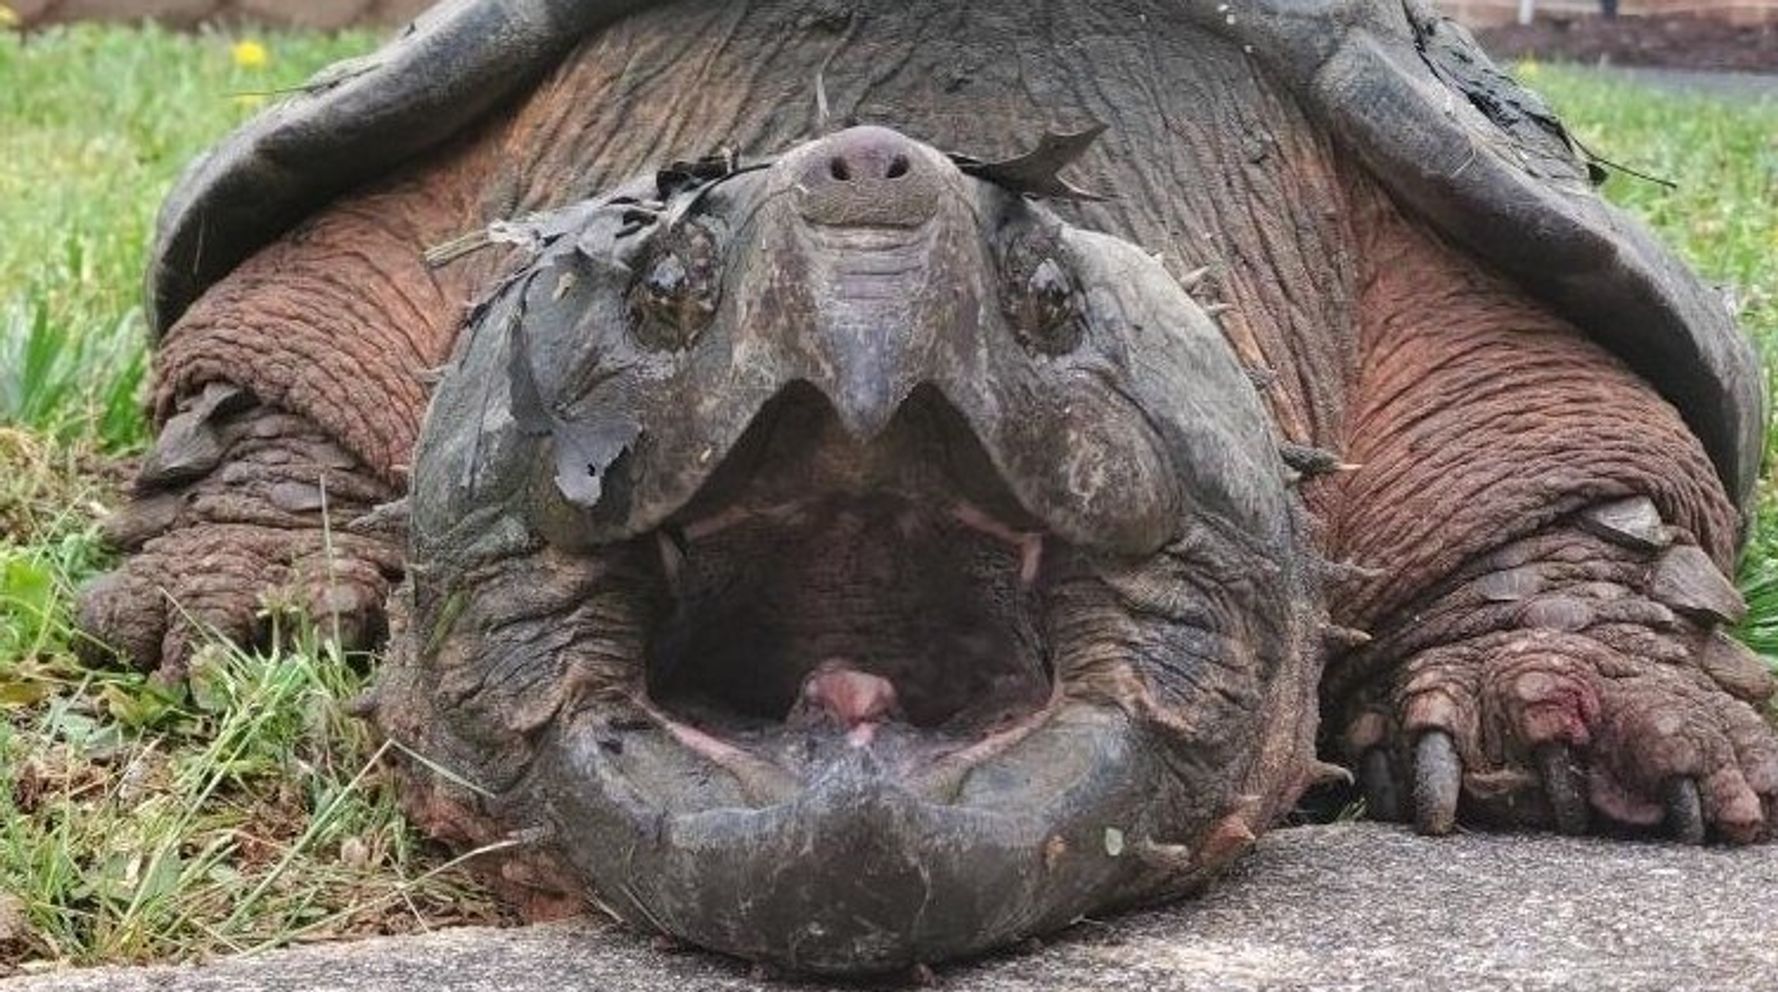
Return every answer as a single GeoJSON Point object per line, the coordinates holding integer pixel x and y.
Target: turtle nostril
{"type": "Point", "coordinates": [868, 176]}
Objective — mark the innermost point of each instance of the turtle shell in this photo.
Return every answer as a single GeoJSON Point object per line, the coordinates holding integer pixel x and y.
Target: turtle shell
{"type": "Point", "coordinates": [356, 120]}
{"type": "Point", "coordinates": [1406, 91]}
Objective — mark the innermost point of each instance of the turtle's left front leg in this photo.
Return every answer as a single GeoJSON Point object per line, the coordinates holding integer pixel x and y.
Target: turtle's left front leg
{"type": "Point", "coordinates": [1550, 601]}
{"type": "Point", "coordinates": [1573, 678]}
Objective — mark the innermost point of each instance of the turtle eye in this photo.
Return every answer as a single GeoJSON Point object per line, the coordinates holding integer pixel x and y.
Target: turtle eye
{"type": "Point", "coordinates": [1040, 298]}
{"type": "Point", "coordinates": [676, 295]}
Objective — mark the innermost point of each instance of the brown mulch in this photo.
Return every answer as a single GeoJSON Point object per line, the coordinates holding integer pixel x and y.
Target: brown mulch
{"type": "Point", "coordinates": [1672, 42]}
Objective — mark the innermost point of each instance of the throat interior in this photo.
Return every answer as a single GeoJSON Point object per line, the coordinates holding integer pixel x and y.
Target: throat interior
{"type": "Point", "coordinates": [916, 595]}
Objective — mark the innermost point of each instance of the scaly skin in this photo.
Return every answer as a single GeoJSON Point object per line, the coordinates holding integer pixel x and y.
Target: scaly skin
{"type": "Point", "coordinates": [1579, 673]}
{"type": "Point", "coordinates": [321, 346]}
{"type": "Point", "coordinates": [265, 527]}
{"type": "Point", "coordinates": [1540, 542]}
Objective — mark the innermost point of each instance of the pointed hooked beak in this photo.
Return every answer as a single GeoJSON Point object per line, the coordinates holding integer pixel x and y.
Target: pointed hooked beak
{"type": "Point", "coordinates": [869, 203]}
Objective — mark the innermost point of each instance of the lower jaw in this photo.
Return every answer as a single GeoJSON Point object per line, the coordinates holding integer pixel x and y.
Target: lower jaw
{"type": "Point", "coordinates": [861, 869]}
{"type": "Point", "coordinates": [931, 766]}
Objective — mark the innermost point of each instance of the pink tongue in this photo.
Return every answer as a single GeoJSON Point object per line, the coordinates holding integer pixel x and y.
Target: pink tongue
{"type": "Point", "coordinates": [856, 700]}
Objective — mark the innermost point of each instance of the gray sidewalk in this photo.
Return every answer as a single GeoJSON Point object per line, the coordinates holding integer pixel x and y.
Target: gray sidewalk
{"type": "Point", "coordinates": [1338, 907]}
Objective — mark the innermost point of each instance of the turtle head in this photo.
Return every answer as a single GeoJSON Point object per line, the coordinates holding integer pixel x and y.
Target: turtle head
{"type": "Point", "coordinates": [849, 564]}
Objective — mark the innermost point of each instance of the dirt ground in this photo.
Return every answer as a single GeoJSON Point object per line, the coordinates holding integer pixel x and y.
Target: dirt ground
{"type": "Point", "coordinates": [1672, 42]}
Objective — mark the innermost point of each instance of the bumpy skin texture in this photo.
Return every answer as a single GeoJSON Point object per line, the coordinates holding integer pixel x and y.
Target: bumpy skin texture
{"type": "Point", "coordinates": [322, 344]}
{"type": "Point", "coordinates": [1557, 549]}
{"type": "Point", "coordinates": [217, 542]}
{"type": "Point", "coordinates": [903, 359]}
{"type": "Point", "coordinates": [1523, 457]}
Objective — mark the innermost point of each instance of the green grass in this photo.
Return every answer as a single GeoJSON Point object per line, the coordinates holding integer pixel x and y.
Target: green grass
{"type": "Point", "coordinates": [1723, 217]}
{"type": "Point", "coordinates": [246, 810]}
{"type": "Point", "coordinates": [139, 822]}
{"type": "Point", "coordinates": [94, 125]}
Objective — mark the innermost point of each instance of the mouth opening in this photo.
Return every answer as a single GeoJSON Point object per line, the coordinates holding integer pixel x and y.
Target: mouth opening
{"type": "Point", "coordinates": [817, 585]}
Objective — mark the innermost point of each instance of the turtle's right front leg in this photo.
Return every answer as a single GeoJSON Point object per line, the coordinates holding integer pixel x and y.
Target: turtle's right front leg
{"type": "Point", "coordinates": [288, 398]}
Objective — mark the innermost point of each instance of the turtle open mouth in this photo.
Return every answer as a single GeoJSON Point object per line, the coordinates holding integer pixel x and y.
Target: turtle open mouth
{"type": "Point", "coordinates": [853, 599]}
{"type": "Point", "coordinates": [891, 592]}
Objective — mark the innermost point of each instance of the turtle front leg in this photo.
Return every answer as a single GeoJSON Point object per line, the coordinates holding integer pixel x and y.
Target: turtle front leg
{"type": "Point", "coordinates": [241, 511]}
{"type": "Point", "coordinates": [1548, 550]}
{"type": "Point", "coordinates": [1576, 678]}
{"type": "Point", "coordinates": [288, 399]}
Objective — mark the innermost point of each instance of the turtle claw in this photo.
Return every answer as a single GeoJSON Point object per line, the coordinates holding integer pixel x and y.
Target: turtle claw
{"type": "Point", "coordinates": [1564, 785]}
{"type": "Point", "coordinates": [1438, 779]}
{"type": "Point", "coordinates": [1685, 811]}
{"type": "Point", "coordinates": [1618, 704]}
{"type": "Point", "coordinates": [217, 544]}
{"type": "Point", "coordinates": [1381, 795]}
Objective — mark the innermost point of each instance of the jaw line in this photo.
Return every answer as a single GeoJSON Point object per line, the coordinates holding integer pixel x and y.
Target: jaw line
{"type": "Point", "coordinates": [937, 781]}
{"type": "Point", "coordinates": [1042, 846]}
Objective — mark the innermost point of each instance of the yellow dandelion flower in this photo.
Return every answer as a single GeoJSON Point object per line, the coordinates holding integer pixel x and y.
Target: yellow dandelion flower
{"type": "Point", "coordinates": [1527, 69]}
{"type": "Point", "coordinates": [9, 18]}
{"type": "Point", "coordinates": [250, 54]}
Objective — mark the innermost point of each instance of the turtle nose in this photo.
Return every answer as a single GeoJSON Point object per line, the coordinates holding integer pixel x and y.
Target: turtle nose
{"type": "Point", "coordinates": [868, 155]}
{"type": "Point", "coordinates": [869, 177]}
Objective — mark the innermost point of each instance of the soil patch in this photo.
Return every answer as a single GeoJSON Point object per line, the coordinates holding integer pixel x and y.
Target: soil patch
{"type": "Point", "coordinates": [1672, 42]}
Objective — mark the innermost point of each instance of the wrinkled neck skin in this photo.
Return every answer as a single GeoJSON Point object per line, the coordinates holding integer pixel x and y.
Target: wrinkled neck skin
{"type": "Point", "coordinates": [851, 563]}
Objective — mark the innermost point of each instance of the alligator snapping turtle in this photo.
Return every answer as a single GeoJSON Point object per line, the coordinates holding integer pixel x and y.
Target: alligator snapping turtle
{"type": "Point", "coordinates": [863, 545]}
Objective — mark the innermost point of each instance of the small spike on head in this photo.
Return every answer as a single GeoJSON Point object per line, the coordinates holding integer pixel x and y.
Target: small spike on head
{"type": "Point", "coordinates": [1262, 378]}
{"type": "Point", "coordinates": [1164, 857]}
{"type": "Point", "coordinates": [1312, 461]}
{"type": "Point", "coordinates": [1227, 840]}
{"type": "Point", "coordinates": [1345, 571]}
{"type": "Point", "coordinates": [1337, 636]}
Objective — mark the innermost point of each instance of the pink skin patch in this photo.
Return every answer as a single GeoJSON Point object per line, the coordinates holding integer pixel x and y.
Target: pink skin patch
{"type": "Point", "coordinates": [857, 701]}
{"type": "Point", "coordinates": [1028, 544]}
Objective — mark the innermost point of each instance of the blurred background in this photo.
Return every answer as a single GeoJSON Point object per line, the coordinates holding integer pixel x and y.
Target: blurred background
{"type": "Point", "coordinates": [324, 15]}
{"type": "Point", "coordinates": [1695, 34]}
